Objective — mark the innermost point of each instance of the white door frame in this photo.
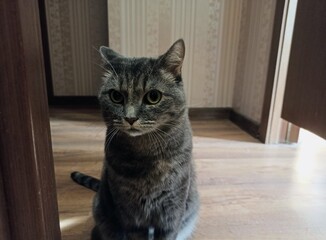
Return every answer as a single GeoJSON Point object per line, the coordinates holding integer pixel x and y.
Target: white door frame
{"type": "Point", "coordinates": [279, 130]}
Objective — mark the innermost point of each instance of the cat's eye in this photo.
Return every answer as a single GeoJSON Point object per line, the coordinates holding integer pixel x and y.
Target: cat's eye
{"type": "Point", "coordinates": [116, 96]}
{"type": "Point", "coordinates": [153, 97]}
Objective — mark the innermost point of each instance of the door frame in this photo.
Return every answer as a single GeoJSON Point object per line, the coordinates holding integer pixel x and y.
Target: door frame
{"type": "Point", "coordinates": [273, 129]}
{"type": "Point", "coordinates": [28, 199]}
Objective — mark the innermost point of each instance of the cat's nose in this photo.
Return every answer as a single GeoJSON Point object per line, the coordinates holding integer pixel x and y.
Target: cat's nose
{"type": "Point", "coordinates": [131, 120]}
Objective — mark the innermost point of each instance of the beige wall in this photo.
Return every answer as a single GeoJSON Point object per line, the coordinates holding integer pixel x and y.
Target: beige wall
{"type": "Point", "coordinates": [227, 45]}
{"type": "Point", "coordinates": [76, 29]}
{"type": "Point", "coordinates": [210, 29]}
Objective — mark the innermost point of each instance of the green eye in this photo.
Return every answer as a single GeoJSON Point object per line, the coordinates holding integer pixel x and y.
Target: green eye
{"type": "Point", "coordinates": [153, 97]}
{"type": "Point", "coordinates": [116, 96]}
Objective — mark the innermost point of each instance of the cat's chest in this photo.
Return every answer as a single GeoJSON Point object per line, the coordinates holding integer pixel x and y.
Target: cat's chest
{"type": "Point", "coordinates": [139, 167]}
{"type": "Point", "coordinates": [145, 202]}
{"type": "Point", "coordinates": [145, 188]}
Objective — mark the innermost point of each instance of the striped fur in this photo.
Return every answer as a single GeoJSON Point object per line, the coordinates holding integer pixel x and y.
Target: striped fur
{"type": "Point", "coordinates": [148, 186]}
{"type": "Point", "coordinates": [86, 181]}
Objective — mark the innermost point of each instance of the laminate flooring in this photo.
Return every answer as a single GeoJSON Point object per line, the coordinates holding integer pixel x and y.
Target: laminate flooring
{"type": "Point", "coordinates": [248, 190]}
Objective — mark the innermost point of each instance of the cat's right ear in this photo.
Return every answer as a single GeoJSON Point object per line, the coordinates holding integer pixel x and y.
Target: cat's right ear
{"type": "Point", "coordinates": [108, 54]}
{"type": "Point", "coordinates": [172, 60]}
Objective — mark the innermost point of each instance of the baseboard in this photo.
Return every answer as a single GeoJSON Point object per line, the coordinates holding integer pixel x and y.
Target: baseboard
{"type": "Point", "coordinates": [209, 113]}
{"type": "Point", "coordinates": [194, 113]}
{"type": "Point", "coordinates": [245, 124]}
{"type": "Point", "coordinates": [92, 102]}
{"type": "Point", "coordinates": [76, 101]}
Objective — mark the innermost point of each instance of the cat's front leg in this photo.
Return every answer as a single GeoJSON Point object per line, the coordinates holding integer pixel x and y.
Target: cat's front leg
{"type": "Point", "coordinates": [167, 234]}
{"type": "Point", "coordinates": [105, 232]}
{"type": "Point", "coordinates": [170, 228]}
{"type": "Point", "coordinates": [96, 235]}
{"type": "Point", "coordinates": [174, 208]}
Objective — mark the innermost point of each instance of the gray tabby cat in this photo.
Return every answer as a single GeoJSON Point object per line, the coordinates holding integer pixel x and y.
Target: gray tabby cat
{"type": "Point", "coordinates": [147, 189]}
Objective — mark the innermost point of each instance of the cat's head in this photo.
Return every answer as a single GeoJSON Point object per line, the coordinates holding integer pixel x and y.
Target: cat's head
{"type": "Point", "coordinates": [141, 95]}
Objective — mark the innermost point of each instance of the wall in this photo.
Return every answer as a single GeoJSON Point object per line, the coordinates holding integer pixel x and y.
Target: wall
{"type": "Point", "coordinates": [210, 29]}
{"type": "Point", "coordinates": [227, 45]}
{"type": "Point", "coordinates": [76, 29]}
{"type": "Point", "coordinates": [257, 18]}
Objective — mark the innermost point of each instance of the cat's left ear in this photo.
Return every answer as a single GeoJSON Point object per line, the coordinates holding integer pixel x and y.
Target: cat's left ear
{"type": "Point", "coordinates": [108, 54]}
{"type": "Point", "coordinates": [172, 60]}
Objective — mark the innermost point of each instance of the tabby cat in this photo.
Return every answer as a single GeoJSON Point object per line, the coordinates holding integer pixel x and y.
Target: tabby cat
{"type": "Point", "coordinates": [148, 188]}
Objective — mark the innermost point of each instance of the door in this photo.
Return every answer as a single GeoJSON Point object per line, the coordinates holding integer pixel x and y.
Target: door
{"type": "Point", "coordinates": [305, 92]}
{"type": "Point", "coordinates": [28, 203]}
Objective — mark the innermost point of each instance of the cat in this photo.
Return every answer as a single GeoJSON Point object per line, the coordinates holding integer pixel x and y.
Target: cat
{"type": "Point", "coordinates": [148, 187]}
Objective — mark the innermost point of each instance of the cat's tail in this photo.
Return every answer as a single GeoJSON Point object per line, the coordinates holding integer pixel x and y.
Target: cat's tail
{"type": "Point", "coordinates": [85, 180]}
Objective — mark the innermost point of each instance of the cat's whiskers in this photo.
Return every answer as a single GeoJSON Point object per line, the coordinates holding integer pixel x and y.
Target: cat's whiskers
{"type": "Point", "coordinates": [96, 49]}
{"type": "Point", "coordinates": [124, 69]}
{"type": "Point", "coordinates": [106, 60]}
{"type": "Point", "coordinates": [96, 127]}
{"type": "Point", "coordinates": [161, 137]}
{"type": "Point", "coordinates": [101, 66]}
{"type": "Point", "coordinates": [147, 125]}
{"type": "Point", "coordinates": [154, 140]}
{"type": "Point", "coordinates": [106, 73]}
{"type": "Point", "coordinates": [108, 133]}
{"type": "Point", "coordinates": [117, 122]}
{"type": "Point", "coordinates": [175, 127]}
{"type": "Point", "coordinates": [149, 121]}
{"type": "Point", "coordinates": [158, 143]}
{"type": "Point", "coordinates": [113, 122]}
{"type": "Point", "coordinates": [170, 136]}
{"type": "Point", "coordinates": [150, 137]}
{"type": "Point", "coordinates": [112, 67]}
{"type": "Point", "coordinates": [160, 130]}
{"type": "Point", "coordinates": [109, 137]}
{"type": "Point", "coordinates": [102, 129]}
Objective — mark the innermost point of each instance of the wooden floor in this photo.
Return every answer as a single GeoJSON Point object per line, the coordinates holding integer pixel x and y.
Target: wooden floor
{"type": "Point", "coordinates": [248, 190]}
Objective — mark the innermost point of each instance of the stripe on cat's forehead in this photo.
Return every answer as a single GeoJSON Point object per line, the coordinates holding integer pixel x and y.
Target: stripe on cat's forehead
{"type": "Point", "coordinates": [134, 79]}
{"type": "Point", "coordinates": [132, 82]}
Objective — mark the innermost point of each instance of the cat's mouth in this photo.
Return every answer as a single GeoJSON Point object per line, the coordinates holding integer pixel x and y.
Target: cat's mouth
{"type": "Point", "coordinates": [136, 129]}
{"type": "Point", "coordinates": [134, 132]}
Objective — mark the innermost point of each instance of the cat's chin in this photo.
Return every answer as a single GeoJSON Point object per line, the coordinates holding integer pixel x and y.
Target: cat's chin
{"type": "Point", "coordinates": [134, 132]}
